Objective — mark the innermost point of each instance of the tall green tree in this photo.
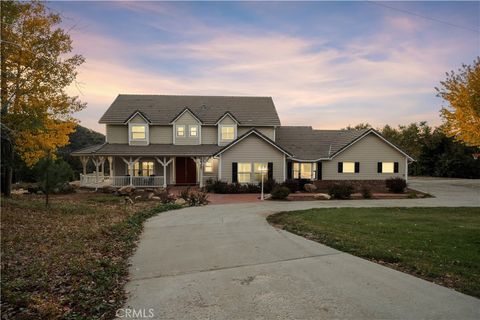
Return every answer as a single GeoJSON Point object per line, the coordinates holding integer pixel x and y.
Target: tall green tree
{"type": "Point", "coordinates": [461, 90]}
{"type": "Point", "coordinates": [36, 68]}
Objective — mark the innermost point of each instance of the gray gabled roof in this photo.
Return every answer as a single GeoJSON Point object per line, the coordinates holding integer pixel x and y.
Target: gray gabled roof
{"type": "Point", "coordinates": [305, 143]}
{"type": "Point", "coordinates": [162, 109]}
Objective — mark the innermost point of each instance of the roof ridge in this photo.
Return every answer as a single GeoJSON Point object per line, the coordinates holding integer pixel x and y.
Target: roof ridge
{"type": "Point", "coordinates": [189, 95]}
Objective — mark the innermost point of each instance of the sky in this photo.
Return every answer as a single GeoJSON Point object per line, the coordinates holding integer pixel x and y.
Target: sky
{"type": "Point", "coordinates": [325, 64]}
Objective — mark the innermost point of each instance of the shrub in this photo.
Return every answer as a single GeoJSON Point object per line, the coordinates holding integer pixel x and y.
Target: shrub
{"type": "Point", "coordinates": [280, 192]}
{"type": "Point", "coordinates": [217, 186]}
{"type": "Point", "coordinates": [292, 185]}
{"type": "Point", "coordinates": [341, 190]}
{"type": "Point", "coordinates": [222, 187]}
{"type": "Point", "coordinates": [366, 193]}
{"type": "Point", "coordinates": [252, 188]}
{"type": "Point", "coordinates": [166, 197]}
{"type": "Point", "coordinates": [302, 183]}
{"type": "Point", "coordinates": [396, 185]}
{"type": "Point", "coordinates": [198, 198]}
{"type": "Point", "coordinates": [185, 194]}
{"type": "Point", "coordinates": [268, 185]}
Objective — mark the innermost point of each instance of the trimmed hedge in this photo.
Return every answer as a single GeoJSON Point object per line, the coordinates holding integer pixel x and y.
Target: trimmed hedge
{"type": "Point", "coordinates": [396, 185]}
{"type": "Point", "coordinates": [341, 190]}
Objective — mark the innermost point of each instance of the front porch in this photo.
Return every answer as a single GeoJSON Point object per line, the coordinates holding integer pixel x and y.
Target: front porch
{"type": "Point", "coordinates": [143, 171]}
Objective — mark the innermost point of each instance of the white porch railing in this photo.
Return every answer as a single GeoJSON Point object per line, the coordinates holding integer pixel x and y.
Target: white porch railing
{"type": "Point", "coordinates": [120, 181]}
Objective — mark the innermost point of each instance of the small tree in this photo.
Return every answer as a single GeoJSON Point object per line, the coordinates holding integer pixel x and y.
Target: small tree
{"type": "Point", "coordinates": [52, 175]}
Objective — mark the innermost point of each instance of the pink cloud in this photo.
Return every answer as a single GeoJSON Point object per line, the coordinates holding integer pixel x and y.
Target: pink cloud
{"type": "Point", "coordinates": [313, 87]}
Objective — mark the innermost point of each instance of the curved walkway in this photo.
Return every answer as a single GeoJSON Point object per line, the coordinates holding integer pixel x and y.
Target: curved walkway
{"type": "Point", "coordinates": [227, 262]}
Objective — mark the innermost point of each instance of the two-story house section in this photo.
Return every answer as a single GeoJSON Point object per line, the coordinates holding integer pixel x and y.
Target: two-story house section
{"type": "Point", "coordinates": [160, 140]}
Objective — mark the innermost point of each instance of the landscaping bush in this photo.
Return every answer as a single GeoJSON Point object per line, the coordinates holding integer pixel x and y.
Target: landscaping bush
{"type": "Point", "coordinates": [342, 190]}
{"type": "Point", "coordinates": [195, 198]}
{"type": "Point", "coordinates": [366, 193]}
{"type": "Point", "coordinates": [252, 188]}
{"type": "Point", "coordinates": [166, 197]}
{"type": "Point", "coordinates": [222, 187]}
{"type": "Point", "coordinates": [396, 185]}
{"type": "Point", "coordinates": [302, 183]}
{"type": "Point", "coordinates": [268, 185]}
{"type": "Point", "coordinates": [216, 186]}
{"type": "Point", "coordinates": [280, 192]}
{"type": "Point", "coordinates": [292, 185]}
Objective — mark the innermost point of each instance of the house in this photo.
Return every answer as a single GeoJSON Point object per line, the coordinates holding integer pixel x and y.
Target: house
{"type": "Point", "coordinates": [160, 140]}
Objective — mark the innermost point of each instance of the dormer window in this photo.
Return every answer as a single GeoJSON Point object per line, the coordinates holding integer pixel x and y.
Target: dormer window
{"type": "Point", "coordinates": [180, 131]}
{"type": "Point", "coordinates": [193, 130]}
{"type": "Point", "coordinates": [227, 132]}
{"type": "Point", "coordinates": [138, 132]}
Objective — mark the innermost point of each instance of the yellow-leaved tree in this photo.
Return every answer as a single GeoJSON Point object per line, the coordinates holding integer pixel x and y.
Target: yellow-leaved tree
{"type": "Point", "coordinates": [461, 90]}
{"type": "Point", "coordinates": [36, 68]}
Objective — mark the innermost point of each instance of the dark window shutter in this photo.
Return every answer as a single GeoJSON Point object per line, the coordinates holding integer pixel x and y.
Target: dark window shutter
{"type": "Point", "coordinates": [379, 167]}
{"type": "Point", "coordinates": [319, 170]}
{"type": "Point", "coordinates": [340, 167]}
{"type": "Point", "coordinates": [270, 171]}
{"type": "Point", "coordinates": [289, 170]}
{"type": "Point", "coordinates": [395, 167]}
{"type": "Point", "coordinates": [234, 172]}
{"type": "Point", "coordinates": [357, 167]}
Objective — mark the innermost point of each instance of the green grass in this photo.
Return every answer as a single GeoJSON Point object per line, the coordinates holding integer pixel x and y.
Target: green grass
{"type": "Point", "coordinates": [68, 261]}
{"type": "Point", "coordinates": [437, 244]}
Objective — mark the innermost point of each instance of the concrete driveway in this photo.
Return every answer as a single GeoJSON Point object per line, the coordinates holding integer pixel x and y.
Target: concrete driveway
{"type": "Point", "coordinates": [227, 262]}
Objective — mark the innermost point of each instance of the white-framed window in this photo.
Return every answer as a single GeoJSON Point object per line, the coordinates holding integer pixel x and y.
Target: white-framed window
{"type": "Point", "coordinates": [138, 132]}
{"type": "Point", "coordinates": [193, 130]}
{"type": "Point", "coordinates": [209, 166]}
{"type": "Point", "coordinates": [180, 131]}
{"type": "Point", "coordinates": [302, 170]}
{"type": "Point", "coordinates": [227, 133]}
{"type": "Point", "coordinates": [348, 167]}
{"type": "Point", "coordinates": [142, 169]}
{"type": "Point", "coordinates": [244, 172]}
{"type": "Point", "coordinates": [388, 167]}
{"type": "Point", "coordinates": [258, 168]}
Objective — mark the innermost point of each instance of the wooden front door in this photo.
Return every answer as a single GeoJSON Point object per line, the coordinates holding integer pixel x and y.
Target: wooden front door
{"type": "Point", "coordinates": [185, 170]}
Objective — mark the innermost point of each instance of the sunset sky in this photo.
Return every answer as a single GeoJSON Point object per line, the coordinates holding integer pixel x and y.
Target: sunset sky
{"type": "Point", "coordinates": [325, 64]}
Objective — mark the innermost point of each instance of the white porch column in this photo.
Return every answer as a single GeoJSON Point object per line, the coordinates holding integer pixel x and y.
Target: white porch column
{"type": "Point", "coordinates": [164, 163]}
{"type": "Point", "coordinates": [110, 166]}
{"type": "Point", "coordinates": [130, 163]}
{"type": "Point", "coordinates": [200, 161]}
{"type": "Point", "coordinates": [84, 161]}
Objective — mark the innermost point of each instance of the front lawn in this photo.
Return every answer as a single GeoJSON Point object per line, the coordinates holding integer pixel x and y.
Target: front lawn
{"type": "Point", "coordinates": [438, 244]}
{"type": "Point", "coordinates": [69, 261]}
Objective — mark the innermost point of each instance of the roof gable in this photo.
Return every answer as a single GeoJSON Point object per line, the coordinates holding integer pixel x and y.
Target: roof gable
{"type": "Point", "coordinates": [368, 132]}
{"type": "Point", "coordinates": [183, 112]}
{"type": "Point", "coordinates": [227, 114]}
{"type": "Point", "coordinates": [249, 133]}
{"type": "Point", "coordinates": [140, 114]}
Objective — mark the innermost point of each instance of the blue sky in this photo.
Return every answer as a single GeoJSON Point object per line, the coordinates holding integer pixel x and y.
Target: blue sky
{"type": "Point", "coordinates": [326, 64]}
